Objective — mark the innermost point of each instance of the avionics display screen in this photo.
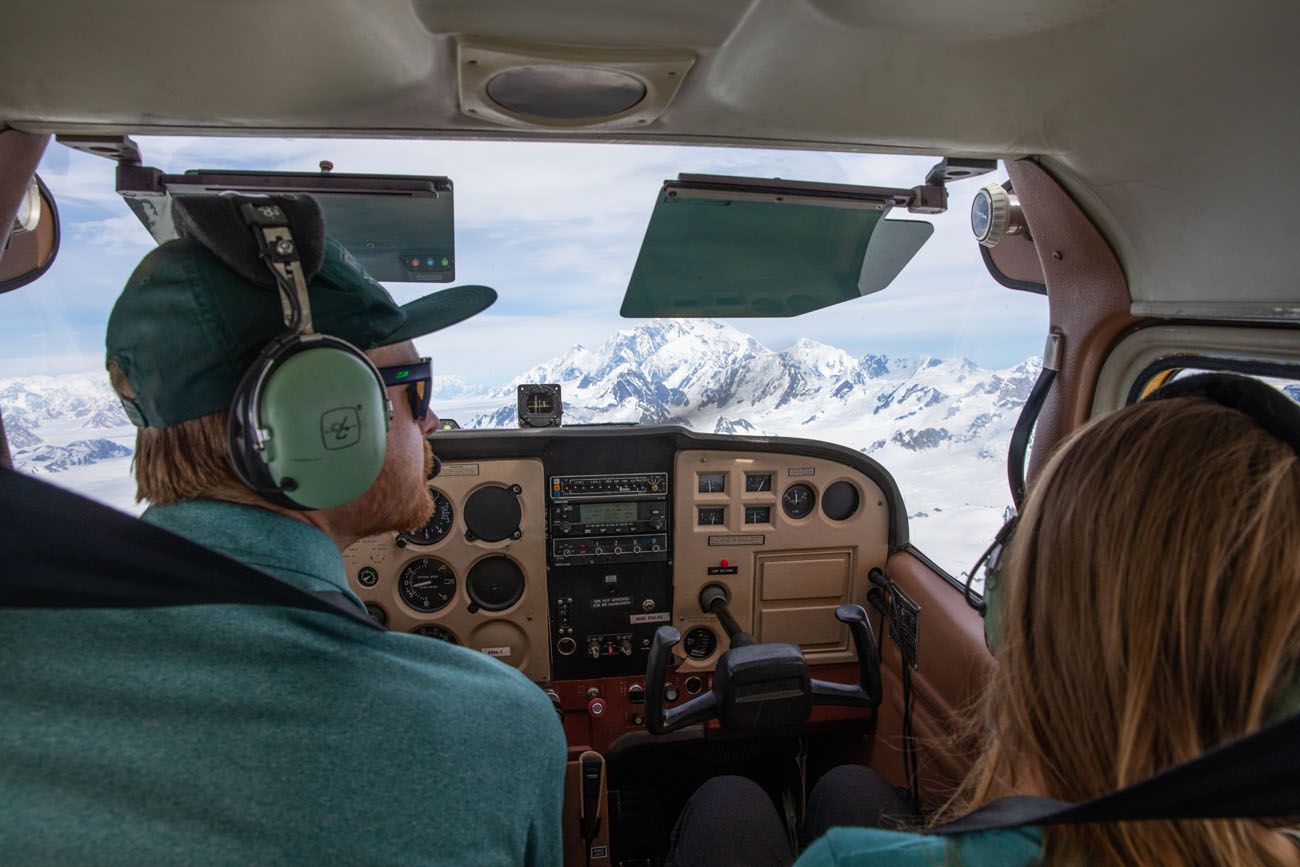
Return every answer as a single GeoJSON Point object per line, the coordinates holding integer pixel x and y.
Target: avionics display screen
{"type": "Point", "coordinates": [607, 513]}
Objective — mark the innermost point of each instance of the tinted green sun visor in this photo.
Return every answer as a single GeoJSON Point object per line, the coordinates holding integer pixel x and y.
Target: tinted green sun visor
{"type": "Point", "coordinates": [750, 247]}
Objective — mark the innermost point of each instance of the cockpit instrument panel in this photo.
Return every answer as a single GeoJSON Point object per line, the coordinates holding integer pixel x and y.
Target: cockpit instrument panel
{"type": "Point", "coordinates": [475, 574]}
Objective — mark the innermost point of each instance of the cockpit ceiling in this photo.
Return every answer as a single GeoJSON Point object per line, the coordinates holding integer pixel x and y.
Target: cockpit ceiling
{"type": "Point", "coordinates": [1170, 120]}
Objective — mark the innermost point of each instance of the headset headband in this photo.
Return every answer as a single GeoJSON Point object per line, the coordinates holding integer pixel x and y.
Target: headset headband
{"type": "Point", "coordinates": [1267, 407]}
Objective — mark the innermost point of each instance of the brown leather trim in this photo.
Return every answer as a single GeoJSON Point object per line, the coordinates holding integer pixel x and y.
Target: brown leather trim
{"type": "Point", "coordinates": [1088, 300]}
{"type": "Point", "coordinates": [953, 668]}
{"type": "Point", "coordinates": [1017, 259]}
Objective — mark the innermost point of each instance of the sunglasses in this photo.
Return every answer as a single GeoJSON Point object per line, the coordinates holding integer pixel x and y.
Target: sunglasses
{"type": "Point", "coordinates": [418, 379]}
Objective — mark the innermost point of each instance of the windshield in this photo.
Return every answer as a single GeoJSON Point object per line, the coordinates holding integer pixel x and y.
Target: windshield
{"type": "Point", "coordinates": [925, 377]}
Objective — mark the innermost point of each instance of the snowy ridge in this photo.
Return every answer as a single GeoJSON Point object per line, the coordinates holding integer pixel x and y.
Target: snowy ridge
{"type": "Point", "coordinates": [939, 425]}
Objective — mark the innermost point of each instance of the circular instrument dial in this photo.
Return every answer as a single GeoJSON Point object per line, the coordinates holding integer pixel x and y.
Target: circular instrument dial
{"type": "Point", "coordinates": [438, 526]}
{"type": "Point", "coordinates": [427, 584]}
{"type": "Point", "coordinates": [438, 632]}
{"type": "Point", "coordinates": [492, 513]}
{"type": "Point", "coordinates": [700, 642]}
{"type": "Point", "coordinates": [495, 583]}
{"type": "Point", "coordinates": [798, 500]}
{"type": "Point", "coordinates": [840, 501]}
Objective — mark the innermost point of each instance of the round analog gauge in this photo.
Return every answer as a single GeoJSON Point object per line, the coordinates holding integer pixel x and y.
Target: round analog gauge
{"type": "Point", "coordinates": [840, 501]}
{"type": "Point", "coordinates": [438, 526]}
{"type": "Point", "coordinates": [700, 642]}
{"type": "Point", "coordinates": [427, 584]}
{"type": "Point", "coordinates": [438, 632]}
{"type": "Point", "coordinates": [495, 583]}
{"type": "Point", "coordinates": [798, 500]}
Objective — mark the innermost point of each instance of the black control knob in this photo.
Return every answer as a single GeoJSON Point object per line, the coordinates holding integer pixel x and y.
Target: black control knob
{"type": "Point", "coordinates": [593, 649]}
{"type": "Point", "coordinates": [625, 645]}
{"type": "Point", "coordinates": [670, 692]}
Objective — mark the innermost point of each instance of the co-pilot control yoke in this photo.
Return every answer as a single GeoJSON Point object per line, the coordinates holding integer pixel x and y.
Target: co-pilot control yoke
{"type": "Point", "coordinates": [759, 686]}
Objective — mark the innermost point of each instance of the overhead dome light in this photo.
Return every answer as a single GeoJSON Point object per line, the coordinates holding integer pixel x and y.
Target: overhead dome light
{"type": "Point", "coordinates": [565, 92]}
{"type": "Point", "coordinates": [567, 87]}
{"type": "Point", "coordinates": [994, 214]}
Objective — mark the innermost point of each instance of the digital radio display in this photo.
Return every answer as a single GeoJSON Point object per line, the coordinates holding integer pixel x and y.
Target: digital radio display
{"type": "Point", "coordinates": [607, 513]}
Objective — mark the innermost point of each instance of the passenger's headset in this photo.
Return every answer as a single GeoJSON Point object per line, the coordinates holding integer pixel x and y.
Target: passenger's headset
{"type": "Point", "coordinates": [1265, 405]}
{"type": "Point", "coordinates": [309, 420]}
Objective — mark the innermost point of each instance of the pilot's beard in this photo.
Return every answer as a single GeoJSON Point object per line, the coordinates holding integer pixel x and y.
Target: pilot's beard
{"type": "Point", "coordinates": [420, 500]}
{"type": "Point", "coordinates": [397, 501]}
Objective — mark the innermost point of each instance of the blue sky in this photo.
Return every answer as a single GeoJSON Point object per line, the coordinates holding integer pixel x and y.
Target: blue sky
{"type": "Point", "coordinates": [554, 227]}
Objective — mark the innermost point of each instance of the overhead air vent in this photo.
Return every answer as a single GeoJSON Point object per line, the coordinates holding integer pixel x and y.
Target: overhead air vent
{"type": "Point", "coordinates": [567, 87]}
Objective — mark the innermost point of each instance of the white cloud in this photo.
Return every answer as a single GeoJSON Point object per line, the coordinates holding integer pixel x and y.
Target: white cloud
{"type": "Point", "coordinates": [122, 234]}
{"type": "Point", "coordinates": [555, 228]}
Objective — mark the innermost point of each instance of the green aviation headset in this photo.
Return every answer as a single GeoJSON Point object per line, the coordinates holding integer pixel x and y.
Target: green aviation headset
{"type": "Point", "coordinates": [1265, 405]}
{"type": "Point", "coordinates": [309, 420]}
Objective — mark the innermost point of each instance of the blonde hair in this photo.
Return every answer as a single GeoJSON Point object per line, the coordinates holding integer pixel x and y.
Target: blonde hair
{"type": "Point", "coordinates": [184, 461]}
{"type": "Point", "coordinates": [1151, 611]}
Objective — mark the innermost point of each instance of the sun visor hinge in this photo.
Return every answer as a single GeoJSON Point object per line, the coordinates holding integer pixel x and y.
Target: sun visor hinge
{"type": "Point", "coordinates": [932, 197]}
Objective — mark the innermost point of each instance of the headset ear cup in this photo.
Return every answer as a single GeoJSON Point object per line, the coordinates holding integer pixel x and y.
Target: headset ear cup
{"type": "Point", "coordinates": [992, 616]}
{"type": "Point", "coordinates": [242, 423]}
{"type": "Point", "coordinates": [324, 413]}
{"type": "Point", "coordinates": [995, 566]}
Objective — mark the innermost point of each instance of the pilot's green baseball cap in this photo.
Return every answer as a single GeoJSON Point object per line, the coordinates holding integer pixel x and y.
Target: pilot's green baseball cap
{"type": "Point", "coordinates": [187, 326]}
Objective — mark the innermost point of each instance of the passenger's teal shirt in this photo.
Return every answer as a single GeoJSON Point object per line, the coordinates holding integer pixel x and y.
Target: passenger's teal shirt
{"type": "Point", "coordinates": [866, 847]}
{"type": "Point", "coordinates": [250, 734]}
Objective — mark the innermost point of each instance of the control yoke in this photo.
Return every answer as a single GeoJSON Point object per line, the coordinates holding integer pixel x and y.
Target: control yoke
{"type": "Point", "coordinates": [758, 685]}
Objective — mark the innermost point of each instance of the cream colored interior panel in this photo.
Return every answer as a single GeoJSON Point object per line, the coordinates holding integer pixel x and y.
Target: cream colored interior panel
{"type": "Point", "coordinates": [785, 575]}
{"type": "Point", "coordinates": [1143, 348]}
{"type": "Point", "coordinates": [516, 635]}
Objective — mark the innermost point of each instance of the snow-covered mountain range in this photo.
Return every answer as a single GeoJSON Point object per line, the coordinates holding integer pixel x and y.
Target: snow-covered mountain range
{"type": "Point", "coordinates": [940, 425]}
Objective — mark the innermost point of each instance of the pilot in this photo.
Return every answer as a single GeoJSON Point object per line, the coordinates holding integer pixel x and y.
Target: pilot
{"type": "Point", "coordinates": [1149, 614]}
{"type": "Point", "coordinates": [259, 733]}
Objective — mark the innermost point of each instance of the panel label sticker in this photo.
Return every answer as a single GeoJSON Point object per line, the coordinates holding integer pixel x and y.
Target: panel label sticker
{"type": "Point", "coordinates": [459, 470]}
{"type": "Point", "coordinates": [724, 570]}
{"type": "Point", "coordinates": [599, 853]}
{"type": "Point", "coordinates": [802, 471]}
{"type": "Point", "coordinates": [611, 602]}
{"type": "Point", "coordinates": [749, 539]}
{"type": "Point", "coordinates": [659, 617]}
{"type": "Point", "coordinates": [496, 651]}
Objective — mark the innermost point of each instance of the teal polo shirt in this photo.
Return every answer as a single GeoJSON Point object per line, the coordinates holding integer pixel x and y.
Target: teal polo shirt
{"type": "Point", "coordinates": [261, 734]}
{"type": "Point", "coordinates": [865, 847]}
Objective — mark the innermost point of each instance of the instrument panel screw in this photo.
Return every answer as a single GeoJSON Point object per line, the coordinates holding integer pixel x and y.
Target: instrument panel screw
{"type": "Point", "coordinates": [1056, 254]}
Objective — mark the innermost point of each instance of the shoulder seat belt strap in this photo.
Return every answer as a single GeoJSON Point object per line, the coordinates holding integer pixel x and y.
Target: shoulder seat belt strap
{"type": "Point", "coordinates": [62, 550]}
{"type": "Point", "coordinates": [1253, 777]}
